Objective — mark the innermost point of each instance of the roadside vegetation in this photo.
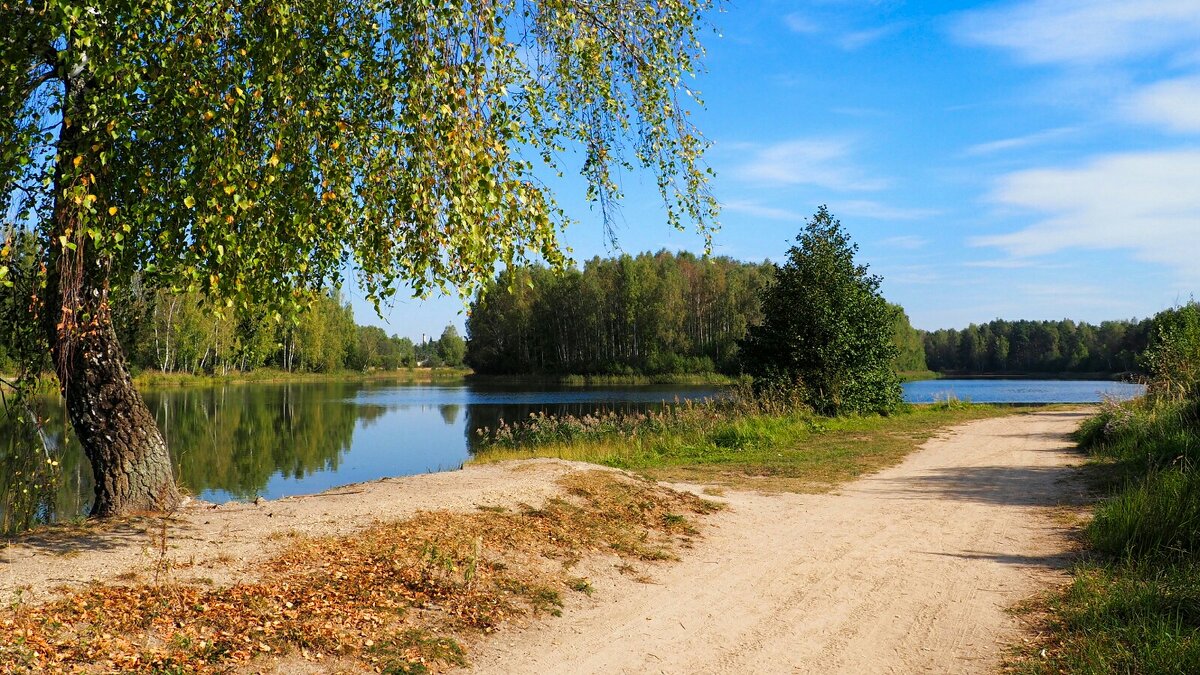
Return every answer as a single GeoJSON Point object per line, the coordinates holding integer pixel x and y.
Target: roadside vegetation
{"type": "Point", "coordinates": [738, 442]}
{"type": "Point", "coordinates": [1134, 604]}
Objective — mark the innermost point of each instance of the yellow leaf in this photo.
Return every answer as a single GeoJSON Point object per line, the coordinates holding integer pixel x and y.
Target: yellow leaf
{"type": "Point", "coordinates": [189, 202]}
{"type": "Point", "coordinates": [77, 161]}
{"type": "Point", "coordinates": [112, 210]}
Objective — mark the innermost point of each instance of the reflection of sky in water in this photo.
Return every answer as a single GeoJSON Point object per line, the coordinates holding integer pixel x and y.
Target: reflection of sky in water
{"type": "Point", "coordinates": [238, 441]}
{"type": "Point", "coordinates": [1020, 391]}
{"type": "Point", "coordinates": [406, 440]}
{"type": "Point", "coordinates": [426, 428]}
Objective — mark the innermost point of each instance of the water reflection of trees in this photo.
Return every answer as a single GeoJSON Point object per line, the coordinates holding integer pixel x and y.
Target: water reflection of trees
{"type": "Point", "coordinates": [231, 439]}
{"type": "Point", "coordinates": [449, 413]}
{"type": "Point", "coordinates": [25, 466]}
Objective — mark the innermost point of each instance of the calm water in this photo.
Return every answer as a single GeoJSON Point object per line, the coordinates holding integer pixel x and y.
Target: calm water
{"type": "Point", "coordinates": [243, 441]}
{"type": "Point", "coordinates": [1020, 391]}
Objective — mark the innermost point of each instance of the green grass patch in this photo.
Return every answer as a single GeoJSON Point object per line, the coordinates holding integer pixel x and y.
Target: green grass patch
{"type": "Point", "coordinates": [769, 451]}
{"type": "Point", "coordinates": [1134, 604]}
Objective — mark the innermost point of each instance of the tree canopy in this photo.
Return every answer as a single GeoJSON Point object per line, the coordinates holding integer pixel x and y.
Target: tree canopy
{"type": "Point", "coordinates": [250, 150]}
{"type": "Point", "coordinates": [652, 313]}
{"type": "Point", "coordinates": [826, 330]}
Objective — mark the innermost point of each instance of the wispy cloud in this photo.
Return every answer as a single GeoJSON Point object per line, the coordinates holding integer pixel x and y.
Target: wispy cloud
{"type": "Point", "coordinates": [877, 211]}
{"type": "Point", "coordinates": [752, 208]}
{"type": "Point", "coordinates": [1147, 203]}
{"type": "Point", "coordinates": [914, 275]}
{"type": "Point", "coordinates": [1173, 104]}
{"type": "Point", "coordinates": [1019, 142]}
{"type": "Point", "coordinates": [821, 162]}
{"type": "Point", "coordinates": [1084, 31]}
{"type": "Point", "coordinates": [908, 242]}
{"type": "Point", "coordinates": [855, 40]}
{"type": "Point", "coordinates": [1001, 264]}
{"type": "Point", "coordinates": [799, 23]}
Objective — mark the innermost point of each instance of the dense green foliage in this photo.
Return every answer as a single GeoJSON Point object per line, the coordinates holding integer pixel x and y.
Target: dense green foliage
{"type": "Point", "coordinates": [247, 149]}
{"type": "Point", "coordinates": [251, 151]}
{"type": "Point", "coordinates": [909, 342]}
{"type": "Point", "coordinates": [649, 314]}
{"type": "Point", "coordinates": [181, 333]}
{"type": "Point", "coordinates": [827, 331]}
{"type": "Point", "coordinates": [1000, 347]}
{"type": "Point", "coordinates": [1137, 607]}
{"type": "Point", "coordinates": [451, 348]}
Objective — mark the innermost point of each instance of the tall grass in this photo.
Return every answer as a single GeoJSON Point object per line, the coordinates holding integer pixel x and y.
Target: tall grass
{"type": "Point", "coordinates": [764, 443]}
{"type": "Point", "coordinates": [1134, 605]}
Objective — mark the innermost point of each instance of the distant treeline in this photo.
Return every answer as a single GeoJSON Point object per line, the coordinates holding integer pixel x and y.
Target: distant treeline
{"type": "Point", "coordinates": [181, 333]}
{"type": "Point", "coordinates": [1006, 347]}
{"type": "Point", "coordinates": [650, 314]}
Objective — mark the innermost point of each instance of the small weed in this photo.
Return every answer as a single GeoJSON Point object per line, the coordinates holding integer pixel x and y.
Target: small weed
{"type": "Point", "coordinates": [674, 520]}
{"type": "Point", "coordinates": [409, 652]}
{"type": "Point", "coordinates": [581, 585]}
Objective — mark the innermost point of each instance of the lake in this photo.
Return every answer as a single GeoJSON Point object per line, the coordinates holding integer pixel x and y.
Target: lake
{"type": "Point", "coordinates": [275, 440]}
{"type": "Point", "coordinates": [1020, 391]}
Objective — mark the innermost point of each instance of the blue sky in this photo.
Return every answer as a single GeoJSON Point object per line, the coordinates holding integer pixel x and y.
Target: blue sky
{"type": "Point", "coordinates": [1030, 159]}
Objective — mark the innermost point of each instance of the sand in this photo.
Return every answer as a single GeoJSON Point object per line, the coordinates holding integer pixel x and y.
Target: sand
{"type": "Point", "coordinates": [910, 570]}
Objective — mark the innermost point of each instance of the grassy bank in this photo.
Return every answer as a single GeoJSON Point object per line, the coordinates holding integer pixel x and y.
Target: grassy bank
{"type": "Point", "coordinates": [1134, 603]}
{"type": "Point", "coordinates": [679, 379]}
{"type": "Point", "coordinates": [916, 375]}
{"type": "Point", "coordinates": [735, 445]}
{"type": "Point", "coordinates": [159, 380]}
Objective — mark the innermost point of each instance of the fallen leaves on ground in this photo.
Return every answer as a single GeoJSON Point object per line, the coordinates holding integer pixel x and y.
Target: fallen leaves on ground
{"type": "Point", "coordinates": [390, 597]}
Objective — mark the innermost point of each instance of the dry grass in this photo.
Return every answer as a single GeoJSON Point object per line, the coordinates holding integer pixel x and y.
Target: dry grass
{"type": "Point", "coordinates": [397, 597]}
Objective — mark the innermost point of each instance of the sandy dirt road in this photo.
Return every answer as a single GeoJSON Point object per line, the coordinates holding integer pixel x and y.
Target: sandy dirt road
{"type": "Point", "coordinates": [910, 570]}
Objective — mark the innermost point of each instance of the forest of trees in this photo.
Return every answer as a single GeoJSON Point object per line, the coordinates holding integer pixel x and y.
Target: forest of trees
{"type": "Point", "coordinates": [650, 313]}
{"type": "Point", "coordinates": [178, 333]}
{"type": "Point", "coordinates": [654, 313]}
{"type": "Point", "coordinates": [1009, 347]}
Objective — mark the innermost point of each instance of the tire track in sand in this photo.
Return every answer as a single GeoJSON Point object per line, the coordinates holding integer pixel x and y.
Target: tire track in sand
{"type": "Point", "coordinates": [908, 570]}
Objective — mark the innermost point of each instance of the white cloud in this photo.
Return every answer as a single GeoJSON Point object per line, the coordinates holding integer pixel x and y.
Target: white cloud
{"type": "Point", "coordinates": [858, 39]}
{"type": "Point", "coordinates": [1084, 31]}
{"type": "Point", "coordinates": [820, 162]}
{"type": "Point", "coordinates": [752, 208]}
{"type": "Point", "coordinates": [1018, 142]}
{"type": "Point", "coordinates": [907, 242]}
{"type": "Point", "coordinates": [1173, 104]}
{"type": "Point", "coordinates": [1001, 264]}
{"type": "Point", "coordinates": [877, 211]}
{"type": "Point", "coordinates": [798, 23]}
{"type": "Point", "coordinates": [1147, 203]}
